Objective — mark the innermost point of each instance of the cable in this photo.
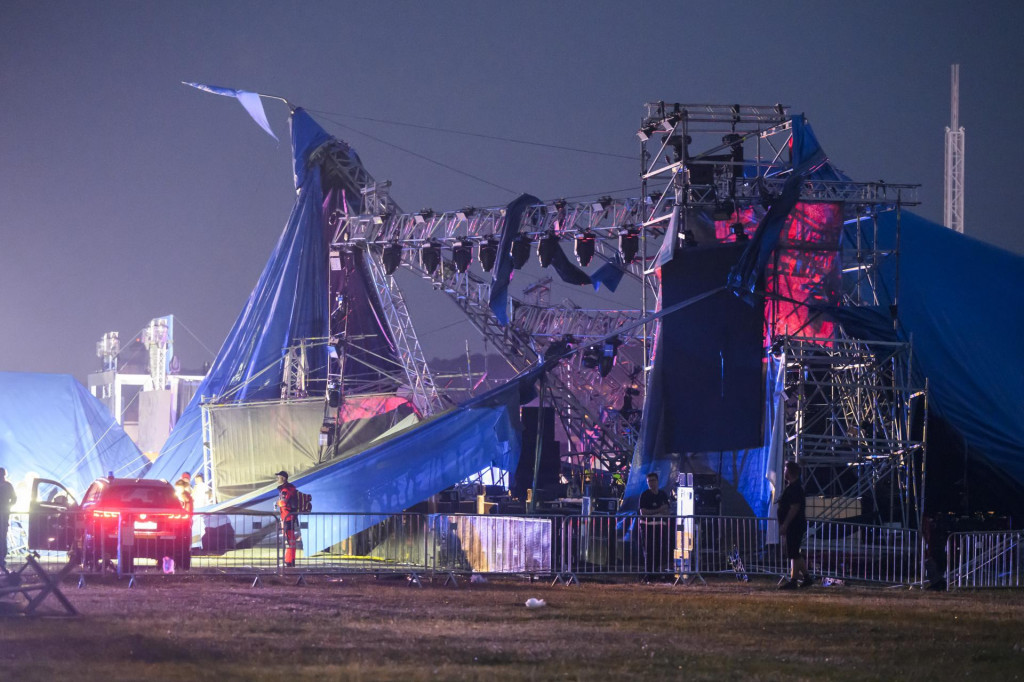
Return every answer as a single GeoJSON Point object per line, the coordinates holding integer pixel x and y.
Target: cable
{"type": "Point", "coordinates": [469, 134]}
{"type": "Point", "coordinates": [425, 158]}
{"type": "Point", "coordinates": [177, 320]}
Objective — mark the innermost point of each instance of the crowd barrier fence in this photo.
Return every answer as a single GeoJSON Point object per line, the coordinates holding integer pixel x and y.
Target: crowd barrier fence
{"type": "Point", "coordinates": [567, 548]}
{"type": "Point", "coordinates": [984, 560]}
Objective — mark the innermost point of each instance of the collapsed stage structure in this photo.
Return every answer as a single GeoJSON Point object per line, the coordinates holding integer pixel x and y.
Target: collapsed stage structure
{"type": "Point", "coordinates": [775, 322]}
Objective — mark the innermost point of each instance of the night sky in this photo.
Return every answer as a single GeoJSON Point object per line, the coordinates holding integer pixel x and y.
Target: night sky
{"type": "Point", "coordinates": [125, 195]}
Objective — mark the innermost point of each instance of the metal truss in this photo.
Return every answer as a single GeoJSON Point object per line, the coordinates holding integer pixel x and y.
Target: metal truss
{"type": "Point", "coordinates": [848, 423]}
{"type": "Point", "coordinates": [421, 382]}
{"type": "Point", "coordinates": [953, 187]}
{"type": "Point", "coordinates": [583, 404]}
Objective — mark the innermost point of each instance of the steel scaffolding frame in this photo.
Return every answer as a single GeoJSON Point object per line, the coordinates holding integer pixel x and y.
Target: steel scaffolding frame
{"type": "Point", "coordinates": [849, 424]}
{"type": "Point", "coordinates": [848, 419]}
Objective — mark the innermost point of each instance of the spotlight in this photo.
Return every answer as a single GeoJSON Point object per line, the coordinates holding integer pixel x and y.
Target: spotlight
{"type": "Point", "coordinates": [465, 213]}
{"type": "Point", "coordinates": [391, 257]}
{"type": "Point", "coordinates": [609, 350]}
{"type": "Point", "coordinates": [584, 247]}
{"type": "Point", "coordinates": [559, 347]}
{"type": "Point", "coordinates": [520, 251]}
{"type": "Point", "coordinates": [645, 132]}
{"type": "Point", "coordinates": [629, 244]}
{"type": "Point", "coordinates": [488, 253]}
{"type": "Point", "coordinates": [546, 248]}
{"type": "Point", "coordinates": [430, 256]}
{"type": "Point", "coordinates": [601, 204]}
{"type": "Point", "coordinates": [462, 254]}
{"type": "Point", "coordinates": [687, 238]}
{"type": "Point", "coordinates": [737, 229]}
{"type": "Point", "coordinates": [424, 215]}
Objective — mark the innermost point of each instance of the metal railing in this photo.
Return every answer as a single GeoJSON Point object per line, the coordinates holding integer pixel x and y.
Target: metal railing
{"type": "Point", "coordinates": [566, 547]}
{"type": "Point", "coordinates": [984, 560]}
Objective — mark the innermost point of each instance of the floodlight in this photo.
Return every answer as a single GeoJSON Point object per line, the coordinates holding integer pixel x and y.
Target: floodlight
{"type": "Point", "coordinates": [391, 257]}
{"type": "Point", "coordinates": [687, 238]}
{"type": "Point", "coordinates": [629, 244]}
{"type": "Point", "coordinates": [424, 215]}
{"type": "Point", "coordinates": [546, 248]}
{"type": "Point", "coordinates": [430, 256]}
{"type": "Point", "coordinates": [462, 254]}
{"type": "Point", "coordinates": [583, 245]}
{"type": "Point", "coordinates": [488, 253]}
{"type": "Point", "coordinates": [520, 251]}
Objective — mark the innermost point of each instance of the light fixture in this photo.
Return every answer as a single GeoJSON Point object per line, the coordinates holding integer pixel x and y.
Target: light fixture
{"type": "Point", "coordinates": [333, 393]}
{"type": "Point", "coordinates": [687, 238]}
{"type": "Point", "coordinates": [629, 244]}
{"type": "Point", "coordinates": [462, 254]}
{"type": "Point", "coordinates": [424, 215]}
{"type": "Point", "coordinates": [601, 204]}
{"type": "Point", "coordinates": [391, 257]}
{"type": "Point", "coordinates": [546, 248]}
{"type": "Point", "coordinates": [520, 251]}
{"type": "Point", "coordinates": [737, 229]}
{"type": "Point", "coordinates": [583, 246]}
{"type": "Point", "coordinates": [465, 213]}
{"type": "Point", "coordinates": [335, 260]}
{"type": "Point", "coordinates": [430, 256]}
{"type": "Point", "coordinates": [488, 252]}
{"type": "Point", "coordinates": [645, 132]}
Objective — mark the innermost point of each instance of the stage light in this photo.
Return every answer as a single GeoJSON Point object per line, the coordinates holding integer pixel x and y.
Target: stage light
{"type": "Point", "coordinates": [687, 238]}
{"type": "Point", "coordinates": [629, 244]}
{"type": "Point", "coordinates": [380, 219]}
{"type": "Point", "coordinates": [737, 229]}
{"type": "Point", "coordinates": [546, 248]}
{"type": "Point", "coordinates": [645, 132]}
{"type": "Point", "coordinates": [430, 256]}
{"type": "Point", "coordinates": [424, 215]}
{"type": "Point", "coordinates": [601, 204]}
{"type": "Point", "coordinates": [609, 350]}
{"type": "Point", "coordinates": [465, 213]}
{"type": "Point", "coordinates": [462, 254]}
{"type": "Point", "coordinates": [333, 393]}
{"type": "Point", "coordinates": [520, 251]}
{"type": "Point", "coordinates": [391, 257]}
{"type": "Point", "coordinates": [488, 252]}
{"type": "Point", "coordinates": [559, 347]}
{"type": "Point", "coordinates": [335, 260]}
{"type": "Point", "coordinates": [583, 245]}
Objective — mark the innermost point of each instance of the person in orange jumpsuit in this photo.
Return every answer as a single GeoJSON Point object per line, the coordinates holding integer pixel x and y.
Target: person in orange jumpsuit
{"type": "Point", "coordinates": [288, 504]}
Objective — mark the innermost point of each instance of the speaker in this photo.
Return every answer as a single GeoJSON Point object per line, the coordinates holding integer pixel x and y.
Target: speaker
{"type": "Point", "coordinates": [550, 462]}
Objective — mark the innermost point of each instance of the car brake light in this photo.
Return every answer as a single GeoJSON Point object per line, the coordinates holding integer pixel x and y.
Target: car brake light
{"type": "Point", "coordinates": [96, 514]}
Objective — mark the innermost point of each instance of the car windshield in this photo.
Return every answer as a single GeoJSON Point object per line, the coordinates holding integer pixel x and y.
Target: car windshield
{"type": "Point", "coordinates": [148, 497]}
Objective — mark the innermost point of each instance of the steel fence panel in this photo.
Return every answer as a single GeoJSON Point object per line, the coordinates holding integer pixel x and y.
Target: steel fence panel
{"type": "Point", "coordinates": [864, 552]}
{"type": "Point", "coordinates": [984, 560]}
{"type": "Point", "coordinates": [469, 543]}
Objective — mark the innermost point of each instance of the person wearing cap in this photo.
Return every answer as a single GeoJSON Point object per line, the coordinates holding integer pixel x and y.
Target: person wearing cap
{"type": "Point", "coordinates": [288, 504]}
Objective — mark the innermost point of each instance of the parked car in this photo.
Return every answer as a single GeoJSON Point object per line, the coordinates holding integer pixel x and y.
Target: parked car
{"type": "Point", "coordinates": [119, 519]}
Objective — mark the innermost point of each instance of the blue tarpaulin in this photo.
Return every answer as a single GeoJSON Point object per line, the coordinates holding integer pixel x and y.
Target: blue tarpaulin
{"type": "Point", "coordinates": [289, 303]}
{"type": "Point", "coordinates": [956, 303]}
{"type": "Point", "coordinates": [52, 427]}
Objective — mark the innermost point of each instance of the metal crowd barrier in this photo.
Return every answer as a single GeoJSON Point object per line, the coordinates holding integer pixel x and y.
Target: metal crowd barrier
{"type": "Point", "coordinates": [567, 547]}
{"type": "Point", "coordinates": [984, 560]}
{"type": "Point", "coordinates": [865, 553]}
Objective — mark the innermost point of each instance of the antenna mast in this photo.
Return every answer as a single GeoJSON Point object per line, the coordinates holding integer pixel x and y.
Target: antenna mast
{"type": "Point", "coordinates": [953, 216]}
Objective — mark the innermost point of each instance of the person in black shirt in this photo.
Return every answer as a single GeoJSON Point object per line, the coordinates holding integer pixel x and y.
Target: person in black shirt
{"type": "Point", "coordinates": [792, 526]}
{"type": "Point", "coordinates": [653, 501]}
{"type": "Point", "coordinates": [654, 533]}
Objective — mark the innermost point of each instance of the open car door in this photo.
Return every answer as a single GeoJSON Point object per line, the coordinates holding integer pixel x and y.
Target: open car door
{"type": "Point", "coordinates": [51, 516]}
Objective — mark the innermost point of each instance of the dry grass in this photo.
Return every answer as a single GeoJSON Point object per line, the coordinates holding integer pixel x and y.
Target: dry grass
{"type": "Point", "coordinates": [195, 628]}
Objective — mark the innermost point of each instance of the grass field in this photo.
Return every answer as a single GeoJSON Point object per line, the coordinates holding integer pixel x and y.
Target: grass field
{"type": "Point", "coordinates": [196, 628]}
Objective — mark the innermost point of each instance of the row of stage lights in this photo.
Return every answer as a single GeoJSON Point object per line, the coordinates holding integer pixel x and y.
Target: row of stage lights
{"type": "Point", "coordinates": [584, 246]}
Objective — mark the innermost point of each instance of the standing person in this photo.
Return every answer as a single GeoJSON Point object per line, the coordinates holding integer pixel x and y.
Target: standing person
{"type": "Point", "coordinates": [201, 492]}
{"type": "Point", "coordinates": [654, 532]}
{"type": "Point", "coordinates": [7, 500]}
{"type": "Point", "coordinates": [288, 503]}
{"type": "Point", "coordinates": [792, 526]}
